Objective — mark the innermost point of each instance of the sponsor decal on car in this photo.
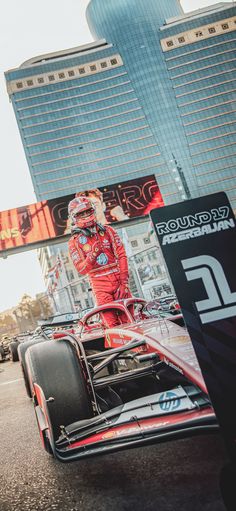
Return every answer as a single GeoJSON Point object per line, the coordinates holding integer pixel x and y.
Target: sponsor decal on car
{"type": "Point", "coordinates": [124, 431]}
{"type": "Point", "coordinates": [109, 434]}
{"type": "Point", "coordinates": [169, 401]}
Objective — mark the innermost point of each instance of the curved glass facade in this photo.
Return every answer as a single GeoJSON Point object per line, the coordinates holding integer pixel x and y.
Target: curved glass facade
{"type": "Point", "coordinates": [183, 69]}
{"type": "Point", "coordinates": [81, 122]}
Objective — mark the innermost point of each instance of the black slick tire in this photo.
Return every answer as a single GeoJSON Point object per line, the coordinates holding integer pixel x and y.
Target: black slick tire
{"type": "Point", "coordinates": [22, 352]}
{"type": "Point", "coordinates": [2, 354]}
{"type": "Point", "coordinates": [55, 367]}
{"type": "Point", "coordinates": [13, 350]}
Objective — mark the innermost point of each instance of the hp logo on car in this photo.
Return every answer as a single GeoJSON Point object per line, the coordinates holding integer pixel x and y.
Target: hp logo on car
{"type": "Point", "coordinates": [169, 401]}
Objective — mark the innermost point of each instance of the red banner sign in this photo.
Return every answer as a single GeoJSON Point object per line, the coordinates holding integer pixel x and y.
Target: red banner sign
{"type": "Point", "coordinates": [48, 219]}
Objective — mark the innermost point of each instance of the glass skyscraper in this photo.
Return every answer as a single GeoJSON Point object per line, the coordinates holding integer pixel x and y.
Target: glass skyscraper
{"type": "Point", "coordinates": [183, 68]}
{"type": "Point", "coordinates": [81, 121]}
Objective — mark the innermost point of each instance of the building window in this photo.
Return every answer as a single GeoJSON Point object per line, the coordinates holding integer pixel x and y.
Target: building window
{"type": "Point", "coordinates": [103, 64]}
{"type": "Point", "coordinates": [51, 78]}
{"type": "Point", "coordinates": [41, 80]}
{"type": "Point", "coordinates": [169, 43]}
{"type": "Point", "coordinates": [71, 73]}
{"type": "Point", "coordinates": [30, 83]}
{"type": "Point", "coordinates": [198, 33]}
{"type": "Point", "coordinates": [147, 241]}
{"type": "Point", "coordinates": [19, 85]}
{"type": "Point", "coordinates": [181, 39]}
{"type": "Point", "coordinates": [81, 70]}
{"type": "Point", "coordinates": [157, 270]}
{"type": "Point", "coordinates": [61, 75]}
{"type": "Point", "coordinates": [134, 243]}
{"type": "Point", "coordinates": [113, 62]}
{"type": "Point", "coordinates": [93, 67]}
{"type": "Point", "coordinates": [70, 275]}
{"type": "Point", "coordinates": [152, 256]}
{"type": "Point", "coordinates": [225, 26]}
{"type": "Point", "coordinates": [211, 30]}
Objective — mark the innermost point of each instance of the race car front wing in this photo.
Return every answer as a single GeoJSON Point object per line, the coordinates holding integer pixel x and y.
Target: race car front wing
{"type": "Point", "coordinates": [168, 415]}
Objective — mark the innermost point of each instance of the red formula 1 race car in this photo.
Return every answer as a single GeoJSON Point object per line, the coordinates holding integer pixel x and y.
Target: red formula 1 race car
{"type": "Point", "coordinates": [97, 391]}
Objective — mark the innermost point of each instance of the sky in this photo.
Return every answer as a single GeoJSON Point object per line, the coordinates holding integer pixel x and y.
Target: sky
{"type": "Point", "coordinates": [28, 29]}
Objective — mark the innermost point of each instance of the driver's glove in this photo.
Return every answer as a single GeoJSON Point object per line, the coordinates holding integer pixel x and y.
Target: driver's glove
{"type": "Point", "coordinates": [122, 291]}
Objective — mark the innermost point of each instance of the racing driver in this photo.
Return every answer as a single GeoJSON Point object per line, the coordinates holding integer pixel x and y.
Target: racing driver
{"type": "Point", "coordinates": [97, 251]}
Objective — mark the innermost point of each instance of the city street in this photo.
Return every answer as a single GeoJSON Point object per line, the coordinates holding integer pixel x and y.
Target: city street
{"type": "Point", "coordinates": [176, 476]}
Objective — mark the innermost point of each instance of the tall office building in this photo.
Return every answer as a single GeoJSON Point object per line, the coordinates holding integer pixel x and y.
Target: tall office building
{"type": "Point", "coordinates": [182, 66]}
{"type": "Point", "coordinates": [81, 121]}
{"type": "Point", "coordinates": [154, 94]}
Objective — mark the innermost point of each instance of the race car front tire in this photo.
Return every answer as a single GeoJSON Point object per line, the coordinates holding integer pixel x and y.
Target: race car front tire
{"type": "Point", "coordinates": [22, 352]}
{"type": "Point", "coordinates": [13, 349]}
{"type": "Point", "coordinates": [56, 368]}
{"type": "Point", "coordinates": [2, 354]}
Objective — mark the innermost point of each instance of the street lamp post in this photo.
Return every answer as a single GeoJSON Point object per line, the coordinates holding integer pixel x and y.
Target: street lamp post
{"type": "Point", "coordinates": [181, 179]}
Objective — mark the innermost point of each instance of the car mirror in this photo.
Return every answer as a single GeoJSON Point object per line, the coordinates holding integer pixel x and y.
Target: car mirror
{"type": "Point", "coordinates": [80, 326]}
{"type": "Point", "coordinates": [152, 308]}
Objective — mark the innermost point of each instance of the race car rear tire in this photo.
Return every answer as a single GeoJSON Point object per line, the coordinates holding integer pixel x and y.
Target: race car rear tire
{"type": "Point", "coordinates": [55, 367]}
{"type": "Point", "coordinates": [13, 350]}
{"type": "Point", "coordinates": [2, 354]}
{"type": "Point", "coordinates": [22, 352]}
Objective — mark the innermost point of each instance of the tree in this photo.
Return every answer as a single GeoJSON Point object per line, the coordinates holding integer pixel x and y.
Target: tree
{"type": "Point", "coordinates": [8, 325]}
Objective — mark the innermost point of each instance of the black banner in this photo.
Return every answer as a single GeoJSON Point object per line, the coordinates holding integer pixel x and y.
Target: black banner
{"type": "Point", "coordinates": [198, 241]}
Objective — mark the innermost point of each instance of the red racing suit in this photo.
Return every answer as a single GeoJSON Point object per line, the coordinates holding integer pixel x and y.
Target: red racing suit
{"type": "Point", "coordinates": [101, 256]}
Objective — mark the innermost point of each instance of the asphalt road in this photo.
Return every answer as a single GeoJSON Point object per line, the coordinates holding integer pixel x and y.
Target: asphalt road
{"type": "Point", "coordinates": [176, 476]}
